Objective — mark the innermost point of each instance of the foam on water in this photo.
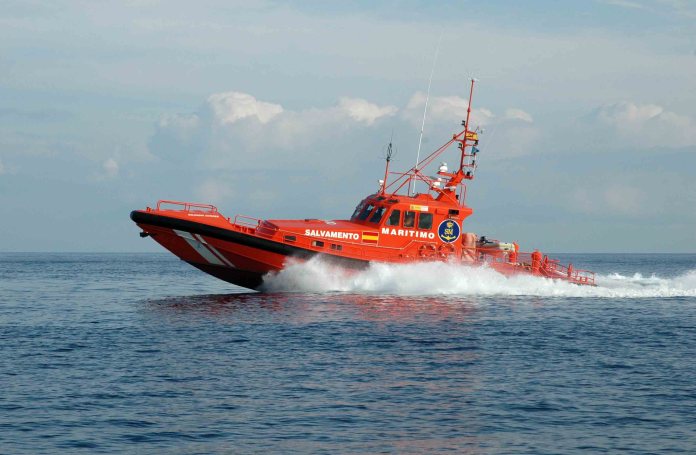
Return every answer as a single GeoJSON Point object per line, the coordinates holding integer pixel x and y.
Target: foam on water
{"type": "Point", "coordinates": [437, 278]}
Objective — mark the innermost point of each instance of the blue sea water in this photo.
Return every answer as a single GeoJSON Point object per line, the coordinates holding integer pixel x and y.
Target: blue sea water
{"type": "Point", "coordinates": [141, 353]}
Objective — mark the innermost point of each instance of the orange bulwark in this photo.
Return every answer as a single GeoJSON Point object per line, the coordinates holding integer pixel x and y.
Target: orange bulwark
{"type": "Point", "coordinates": [391, 225]}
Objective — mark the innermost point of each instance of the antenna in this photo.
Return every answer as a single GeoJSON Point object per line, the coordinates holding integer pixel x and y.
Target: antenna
{"type": "Point", "coordinates": [390, 151]}
{"type": "Point", "coordinates": [425, 111]}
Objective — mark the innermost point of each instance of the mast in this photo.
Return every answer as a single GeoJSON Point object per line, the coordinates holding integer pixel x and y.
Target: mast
{"type": "Point", "coordinates": [465, 139]}
{"type": "Point", "coordinates": [466, 122]}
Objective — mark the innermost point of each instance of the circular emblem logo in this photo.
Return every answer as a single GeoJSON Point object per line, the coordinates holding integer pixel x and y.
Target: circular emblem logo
{"type": "Point", "coordinates": [448, 231]}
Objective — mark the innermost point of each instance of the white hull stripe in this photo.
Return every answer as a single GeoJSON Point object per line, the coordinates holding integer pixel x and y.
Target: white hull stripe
{"type": "Point", "coordinates": [200, 247]}
{"type": "Point", "coordinates": [213, 250]}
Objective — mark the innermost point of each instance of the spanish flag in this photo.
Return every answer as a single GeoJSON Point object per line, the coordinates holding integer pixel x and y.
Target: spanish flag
{"type": "Point", "coordinates": [370, 237]}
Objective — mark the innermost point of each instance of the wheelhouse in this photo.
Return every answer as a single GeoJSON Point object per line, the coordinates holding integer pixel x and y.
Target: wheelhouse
{"type": "Point", "coordinates": [401, 219]}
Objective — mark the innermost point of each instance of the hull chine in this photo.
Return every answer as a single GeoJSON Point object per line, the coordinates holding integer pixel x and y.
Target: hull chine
{"type": "Point", "coordinates": [243, 278]}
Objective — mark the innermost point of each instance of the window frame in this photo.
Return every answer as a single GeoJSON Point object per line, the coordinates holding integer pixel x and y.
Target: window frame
{"type": "Point", "coordinates": [412, 226]}
{"type": "Point", "coordinates": [358, 210]}
{"type": "Point", "coordinates": [398, 221]}
{"type": "Point", "coordinates": [420, 217]}
{"type": "Point", "coordinates": [374, 213]}
{"type": "Point", "coordinates": [365, 214]}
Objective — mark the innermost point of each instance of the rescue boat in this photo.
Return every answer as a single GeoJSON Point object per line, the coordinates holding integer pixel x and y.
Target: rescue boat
{"type": "Point", "coordinates": [393, 225]}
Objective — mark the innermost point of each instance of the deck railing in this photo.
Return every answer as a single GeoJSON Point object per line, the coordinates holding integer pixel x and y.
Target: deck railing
{"type": "Point", "coordinates": [549, 267]}
{"type": "Point", "coordinates": [186, 206]}
{"type": "Point", "coordinates": [243, 220]}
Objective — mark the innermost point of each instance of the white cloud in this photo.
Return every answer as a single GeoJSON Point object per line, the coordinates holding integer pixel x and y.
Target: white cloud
{"type": "Point", "coordinates": [235, 130]}
{"type": "Point", "coordinates": [272, 136]}
{"type": "Point", "coordinates": [294, 129]}
{"type": "Point", "coordinates": [508, 135]}
{"type": "Point", "coordinates": [647, 125]}
{"type": "Point", "coordinates": [230, 107]}
{"type": "Point", "coordinates": [180, 121]}
{"type": "Point", "coordinates": [683, 8]}
{"type": "Point", "coordinates": [622, 114]}
{"type": "Point", "coordinates": [445, 109]}
{"type": "Point", "coordinates": [362, 110]}
{"type": "Point", "coordinates": [110, 167]}
{"type": "Point", "coordinates": [625, 4]}
{"type": "Point", "coordinates": [518, 114]}
{"type": "Point", "coordinates": [214, 191]}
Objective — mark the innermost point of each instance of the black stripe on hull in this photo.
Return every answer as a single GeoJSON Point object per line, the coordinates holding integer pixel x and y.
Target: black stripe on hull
{"type": "Point", "coordinates": [243, 278]}
{"type": "Point", "coordinates": [242, 239]}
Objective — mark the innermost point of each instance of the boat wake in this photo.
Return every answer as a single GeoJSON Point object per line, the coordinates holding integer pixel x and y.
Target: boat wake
{"type": "Point", "coordinates": [437, 278]}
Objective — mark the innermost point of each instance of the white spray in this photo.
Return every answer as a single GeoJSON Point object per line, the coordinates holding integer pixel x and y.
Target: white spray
{"type": "Point", "coordinates": [438, 278]}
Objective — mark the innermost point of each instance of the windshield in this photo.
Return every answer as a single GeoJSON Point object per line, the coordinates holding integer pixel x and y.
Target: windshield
{"type": "Point", "coordinates": [357, 210]}
{"type": "Point", "coordinates": [366, 211]}
{"type": "Point", "coordinates": [377, 216]}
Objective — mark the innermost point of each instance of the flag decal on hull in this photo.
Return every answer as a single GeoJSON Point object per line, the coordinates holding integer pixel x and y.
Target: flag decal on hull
{"type": "Point", "coordinates": [370, 237]}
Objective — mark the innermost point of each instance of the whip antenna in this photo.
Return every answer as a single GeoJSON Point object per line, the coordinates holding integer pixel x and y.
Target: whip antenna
{"type": "Point", "coordinates": [425, 111]}
{"type": "Point", "coordinates": [390, 152]}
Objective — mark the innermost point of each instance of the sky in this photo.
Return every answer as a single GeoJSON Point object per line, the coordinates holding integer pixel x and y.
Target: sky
{"type": "Point", "coordinates": [277, 109]}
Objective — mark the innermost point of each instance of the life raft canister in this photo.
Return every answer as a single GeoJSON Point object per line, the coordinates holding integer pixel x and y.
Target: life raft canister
{"type": "Point", "coordinates": [469, 240]}
{"type": "Point", "coordinates": [536, 261]}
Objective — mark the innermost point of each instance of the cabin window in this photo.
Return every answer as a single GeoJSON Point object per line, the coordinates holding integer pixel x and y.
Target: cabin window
{"type": "Point", "coordinates": [394, 218]}
{"type": "Point", "coordinates": [318, 243]}
{"type": "Point", "coordinates": [377, 216]}
{"type": "Point", "coordinates": [290, 238]}
{"type": "Point", "coordinates": [409, 219]}
{"type": "Point", "coordinates": [336, 247]}
{"type": "Point", "coordinates": [425, 221]}
{"type": "Point", "coordinates": [357, 210]}
{"type": "Point", "coordinates": [366, 212]}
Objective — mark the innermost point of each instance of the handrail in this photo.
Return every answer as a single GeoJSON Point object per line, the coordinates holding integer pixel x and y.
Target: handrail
{"type": "Point", "coordinates": [551, 268]}
{"type": "Point", "coordinates": [244, 220]}
{"type": "Point", "coordinates": [188, 206]}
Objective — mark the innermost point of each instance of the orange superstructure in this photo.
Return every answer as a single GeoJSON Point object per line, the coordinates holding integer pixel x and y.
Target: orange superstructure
{"type": "Point", "coordinates": [391, 225]}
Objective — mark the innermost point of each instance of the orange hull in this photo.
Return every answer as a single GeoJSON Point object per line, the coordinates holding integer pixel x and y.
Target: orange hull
{"type": "Point", "coordinates": [241, 252]}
